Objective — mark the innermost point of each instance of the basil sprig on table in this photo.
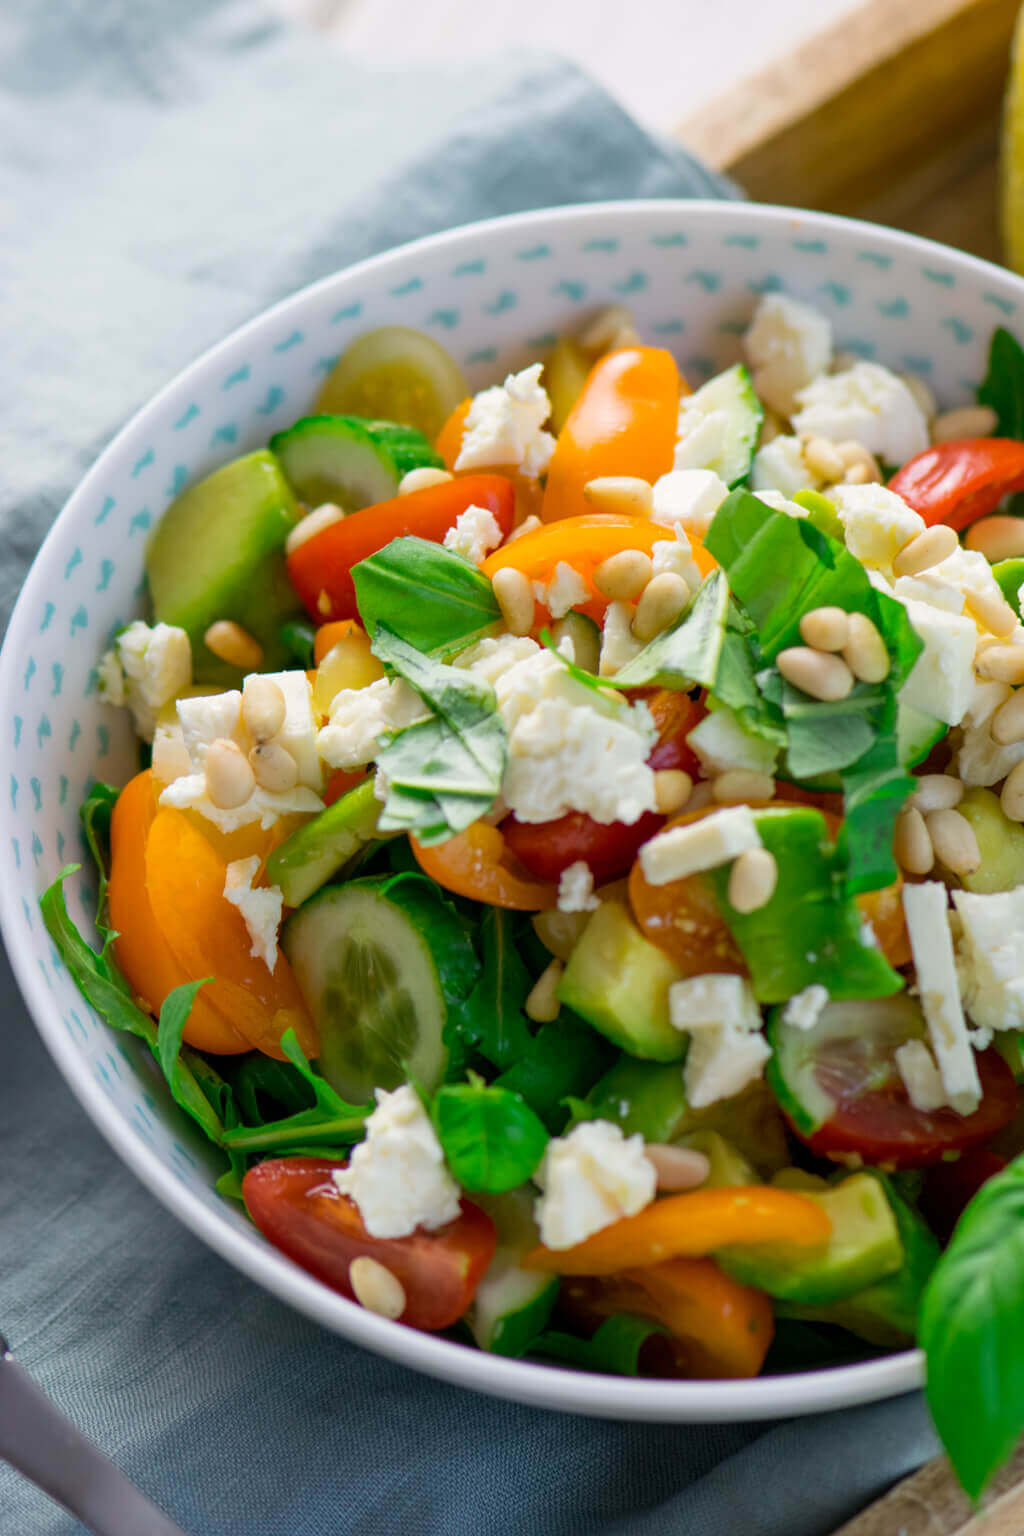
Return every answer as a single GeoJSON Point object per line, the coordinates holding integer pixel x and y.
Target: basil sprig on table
{"type": "Point", "coordinates": [428, 596]}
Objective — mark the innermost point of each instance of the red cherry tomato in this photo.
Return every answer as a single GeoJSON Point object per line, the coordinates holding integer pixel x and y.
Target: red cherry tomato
{"type": "Point", "coordinates": [877, 1120]}
{"type": "Point", "coordinates": [608, 848]}
{"type": "Point", "coordinates": [958, 482]}
{"type": "Point", "coordinates": [298, 1207]}
{"type": "Point", "coordinates": [950, 1187]}
{"type": "Point", "coordinates": [321, 568]}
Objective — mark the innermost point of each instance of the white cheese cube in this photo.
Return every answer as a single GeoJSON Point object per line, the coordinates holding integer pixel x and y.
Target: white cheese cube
{"type": "Point", "coordinates": [942, 680]}
{"type": "Point", "coordinates": [921, 1077]}
{"type": "Point", "coordinates": [866, 404]}
{"type": "Point", "coordinates": [779, 466]}
{"type": "Point", "coordinates": [590, 1178]}
{"type": "Point", "coordinates": [675, 556]}
{"type": "Point", "coordinates": [787, 345]}
{"type": "Point", "coordinates": [707, 1002]}
{"type": "Point", "coordinates": [925, 907]}
{"type": "Point", "coordinates": [298, 734]}
{"type": "Point", "coordinates": [706, 844]}
{"type": "Point", "coordinates": [619, 645]}
{"type": "Point", "coordinates": [805, 1009]}
{"type": "Point", "coordinates": [992, 956]}
{"type": "Point", "coordinates": [721, 1063]}
{"type": "Point", "coordinates": [397, 1176]}
{"type": "Point", "coordinates": [690, 497]}
{"type": "Point", "coordinates": [925, 589]}
{"type": "Point", "coordinates": [876, 522]}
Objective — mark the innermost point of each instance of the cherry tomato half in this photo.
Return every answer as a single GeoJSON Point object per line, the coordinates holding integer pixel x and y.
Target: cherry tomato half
{"type": "Point", "coordinates": [476, 863]}
{"type": "Point", "coordinates": [298, 1207]}
{"type": "Point", "coordinates": [950, 1187]}
{"type": "Point", "coordinates": [958, 482]}
{"type": "Point", "coordinates": [321, 568]}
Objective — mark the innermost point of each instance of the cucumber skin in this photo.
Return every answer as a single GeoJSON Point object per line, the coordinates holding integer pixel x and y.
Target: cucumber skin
{"type": "Point", "coordinates": [408, 446]}
{"type": "Point", "coordinates": [316, 851]}
{"type": "Point", "coordinates": [377, 473]}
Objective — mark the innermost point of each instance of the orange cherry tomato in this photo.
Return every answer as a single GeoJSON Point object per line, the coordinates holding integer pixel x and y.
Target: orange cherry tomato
{"type": "Point", "coordinates": [207, 937]}
{"type": "Point", "coordinates": [477, 864]}
{"type": "Point", "coordinates": [718, 1328]}
{"type": "Point", "coordinates": [449, 441]}
{"type": "Point", "coordinates": [340, 782]}
{"type": "Point", "coordinates": [299, 1208]}
{"type": "Point", "coordinates": [142, 953]}
{"type": "Point", "coordinates": [328, 635]}
{"type": "Point", "coordinates": [623, 423]}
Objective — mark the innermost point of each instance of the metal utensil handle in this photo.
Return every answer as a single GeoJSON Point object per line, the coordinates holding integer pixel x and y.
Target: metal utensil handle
{"type": "Point", "coordinates": [41, 1443]}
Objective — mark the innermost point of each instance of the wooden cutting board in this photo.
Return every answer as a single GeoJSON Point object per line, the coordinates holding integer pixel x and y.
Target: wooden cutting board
{"type": "Point", "coordinates": [930, 1503]}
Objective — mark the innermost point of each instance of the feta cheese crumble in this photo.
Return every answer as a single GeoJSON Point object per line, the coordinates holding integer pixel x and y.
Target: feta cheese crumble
{"type": "Point", "coordinates": [260, 906]}
{"type": "Point", "coordinates": [504, 426]}
{"type": "Point", "coordinates": [475, 534]}
{"type": "Point", "coordinates": [675, 557]}
{"type": "Point", "coordinates": [361, 718]}
{"type": "Point", "coordinates": [866, 404]}
{"type": "Point", "coordinates": [727, 1049]}
{"type": "Point", "coordinates": [780, 466]}
{"type": "Point", "coordinates": [564, 591]}
{"type": "Point", "coordinates": [931, 945]}
{"type": "Point", "coordinates": [805, 1009]}
{"type": "Point", "coordinates": [787, 345]}
{"type": "Point", "coordinates": [576, 889]}
{"type": "Point", "coordinates": [921, 1077]}
{"type": "Point", "coordinates": [689, 498]}
{"type": "Point", "coordinates": [992, 956]}
{"type": "Point", "coordinates": [876, 522]}
{"type": "Point", "coordinates": [145, 669]}
{"type": "Point", "coordinates": [706, 844]}
{"type": "Point", "coordinates": [397, 1176]}
{"type": "Point", "coordinates": [619, 645]}
{"type": "Point", "coordinates": [589, 1179]}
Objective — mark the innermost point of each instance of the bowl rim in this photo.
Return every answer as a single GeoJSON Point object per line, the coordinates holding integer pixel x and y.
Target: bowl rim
{"type": "Point", "coordinates": [546, 1386]}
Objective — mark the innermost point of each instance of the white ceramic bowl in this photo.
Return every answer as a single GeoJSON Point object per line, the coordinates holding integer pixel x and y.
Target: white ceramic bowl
{"type": "Point", "coordinates": [496, 294]}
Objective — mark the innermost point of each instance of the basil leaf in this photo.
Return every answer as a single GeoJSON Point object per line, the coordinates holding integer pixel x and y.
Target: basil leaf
{"type": "Point", "coordinates": [972, 1332]}
{"type": "Point", "coordinates": [874, 789]}
{"type": "Point", "coordinates": [614, 1348]}
{"type": "Point", "coordinates": [430, 597]}
{"type": "Point", "coordinates": [492, 1139]}
{"type": "Point", "coordinates": [1003, 385]}
{"type": "Point", "coordinates": [491, 1019]}
{"type": "Point", "coordinates": [687, 653]}
{"type": "Point", "coordinates": [564, 1059]}
{"type": "Point", "coordinates": [736, 684]}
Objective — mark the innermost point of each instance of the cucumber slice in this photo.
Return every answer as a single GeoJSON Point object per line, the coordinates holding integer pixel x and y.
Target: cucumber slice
{"type": "Point", "coordinates": [406, 445]}
{"type": "Point", "coordinates": [858, 1037]}
{"type": "Point", "coordinates": [916, 733]}
{"type": "Point", "coordinates": [585, 637]}
{"type": "Point", "coordinates": [512, 1305]}
{"type": "Point", "coordinates": [395, 374]}
{"type": "Point", "coordinates": [378, 963]}
{"type": "Point", "coordinates": [726, 446]}
{"type": "Point", "coordinates": [618, 981]}
{"type": "Point", "coordinates": [335, 458]}
{"type": "Point", "coordinates": [318, 850]}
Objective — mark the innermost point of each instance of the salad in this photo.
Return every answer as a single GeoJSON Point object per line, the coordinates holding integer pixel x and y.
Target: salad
{"type": "Point", "coordinates": [575, 876]}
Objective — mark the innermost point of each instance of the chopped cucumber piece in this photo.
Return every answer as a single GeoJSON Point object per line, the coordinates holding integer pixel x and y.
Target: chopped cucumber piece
{"type": "Point", "coordinates": [618, 981]}
{"type": "Point", "coordinates": [409, 448]}
{"type": "Point", "coordinates": [916, 733]}
{"type": "Point", "coordinates": [730, 451]}
{"type": "Point", "coordinates": [218, 553]}
{"type": "Point", "coordinates": [318, 850]}
{"type": "Point", "coordinates": [512, 1305]}
{"type": "Point", "coordinates": [585, 637]}
{"type": "Point", "coordinates": [335, 459]}
{"type": "Point", "coordinates": [395, 374]}
{"type": "Point", "coordinates": [378, 962]}
{"type": "Point", "coordinates": [1010, 576]}
{"type": "Point", "coordinates": [864, 1247]}
{"type": "Point", "coordinates": [1000, 843]}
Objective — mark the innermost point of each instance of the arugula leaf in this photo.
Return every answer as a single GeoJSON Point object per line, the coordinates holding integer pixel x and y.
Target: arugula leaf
{"type": "Point", "coordinates": [614, 1348]}
{"type": "Point", "coordinates": [564, 1059]}
{"type": "Point", "coordinates": [972, 1332]}
{"type": "Point", "coordinates": [95, 813]}
{"type": "Point", "coordinates": [490, 1019]}
{"type": "Point", "coordinates": [1003, 385]}
{"type": "Point", "coordinates": [491, 1137]}
{"type": "Point", "coordinates": [430, 597]}
{"type": "Point", "coordinates": [265, 1089]}
{"type": "Point", "coordinates": [687, 653]}
{"type": "Point", "coordinates": [329, 1122]}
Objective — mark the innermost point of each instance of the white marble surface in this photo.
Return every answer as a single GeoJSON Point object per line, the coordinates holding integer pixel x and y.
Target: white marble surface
{"type": "Point", "coordinates": [662, 58]}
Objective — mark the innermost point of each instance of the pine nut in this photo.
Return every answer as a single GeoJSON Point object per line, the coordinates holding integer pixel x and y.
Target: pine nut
{"type": "Point", "coordinates": [233, 644]}
{"type": "Point", "coordinates": [672, 790]}
{"type": "Point", "coordinates": [661, 602]}
{"type": "Point", "coordinates": [772, 426]}
{"type": "Point", "coordinates": [991, 611]}
{"type": "Point", "coordinates": [677, 1168]}
{"type": "Point", "coordinates": [419, 479]}
{"type": "Point", "coordinates": [966, 421]}
{"type": "Point", "coordinates": [612, 327]}
{"type": "Point", "coordinates": [376, 1288]}
{"type": "Point", "coordinates": [737, 785]}
{"type": "Point", "coordinates": [997, 538]}
{"type": "Point", "coordinates": [816, 673]}
{"type": "Point", "coordinates": [701, 798]}
{"type": "Point", "coordinates": [865, 652]}
{"type": "Point", "coordinates": [528, 525]}
{"type": "Point", "coordinates": [312, 523]}
{"type": "Point", "coordinates": [936, 792]}
{"type": "Point", "coordinates": [274, 767]}
{"type": "Point", "coordinates": [923, 394]}
{"type": "Point", "coordinates": [822, 460]}
{"type": "Point", "coordinates": [515, 598]}
{"type": "Point", "coordinates": [752, 880]}
{"type": "Point", "coordinates": [825, 629]}
{"type": "Point", "coordinates": [1012, 797]}
{"type": "Point", "coordinates": [860, 463]}
{"type": "Point", "coordinates": [229, 779]}
{"type": "Point", "coordinates": [954, 841]}
{"type": "Point", "coordinates": [1007, 724]}
{"type": "Point", "coordinates": [925, 550]}
{"type": "Point", "coordinates": [1001, 663]}
{"type": "Point", "coordinates": [263, 707]}
{"type": "Point", "coordinates": [620, 493]}
{"type": "Point", "coordinates": [623, 576]}
{"type": "Point", "coordinates": [543, 1005]}
{"type": "Point", "coordinates": [324, 604]}
{"type": "Point", "coordinates": [911, 844]}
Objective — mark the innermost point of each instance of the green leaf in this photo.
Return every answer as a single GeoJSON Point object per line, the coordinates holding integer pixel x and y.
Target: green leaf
{"type": "Point", "coordinates": [874, 789]}
{"type": "Point", "coordinates": [564, 1059]}
{"type": "Point", "coordinates": [972, 1332]}
{"type": "Point", "coordinates": [329, 1122]}
{"type": "Point", "coordinates": [266, 1089]}
{"type": "Point", "coordinates": [1003, 385]}
{"type": "Point", "coordinates": [688, 653]}
{"type": "Point", "coordinates": [491, 1019]}
{"type": "Point", "coordinates": [298, 637]}
{"type": "Point", "coordinates": [492, 1139]}
{"type": "Point", "coordinates": [614, 1348]}
{"type": "Point", "coordinates": [430, 597]}
{"type": "Point", "coordinates": [95, 813]}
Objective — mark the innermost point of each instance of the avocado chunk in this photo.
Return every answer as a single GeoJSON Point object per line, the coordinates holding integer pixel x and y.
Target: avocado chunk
{"type": "Point", "coordinates": [1000, 842]}
{"type": "Point", "coordinates": [618, 981]}
{"type": "Point", "coordinates": [864, 1247]}
{"type": "Point", "coordinates": [729, 1169]}
{"type": "Point", "coordinates": [320, 848]}
{"type": "Point", "coordinates": [218, 553]}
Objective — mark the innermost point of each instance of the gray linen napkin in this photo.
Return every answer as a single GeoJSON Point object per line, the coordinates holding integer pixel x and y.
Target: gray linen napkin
{"type": "Point", "coordinates": [166, 170]}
